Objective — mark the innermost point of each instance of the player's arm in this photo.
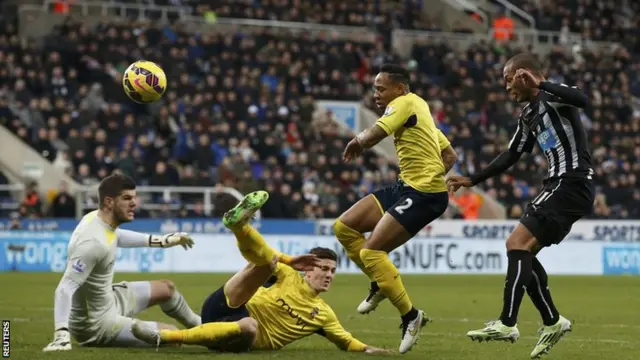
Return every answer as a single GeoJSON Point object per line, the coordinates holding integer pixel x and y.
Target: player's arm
{"type": "Point", "coordinates": [521, 142]}
{"type": "Point", "coordinates": [128, 238]}
{"type": "Point", "coordinates": [567, 95]}
{"type": "Point", "coordinates": [394, 117]}
{"type": "Point", "coordinates": [449, 156]}
{"type": "Point", "coordinates": [335, 333]}
{"type": "Point", "coordinates": [371, 137]}
{"type": "Point", "coordinates": [82, 259]}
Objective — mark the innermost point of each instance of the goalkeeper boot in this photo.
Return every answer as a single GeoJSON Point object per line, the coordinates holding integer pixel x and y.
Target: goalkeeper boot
{"type": "Point", "coordinates": [143, 331]}
{"type": "Point", "coordinates": [244, 211]}
{"type": "Point", "coordinates": [495, 330]}
{"type": "Point", "coordinates": [372, 301]}
{"type": "Point", "coordinates": [549, 336]}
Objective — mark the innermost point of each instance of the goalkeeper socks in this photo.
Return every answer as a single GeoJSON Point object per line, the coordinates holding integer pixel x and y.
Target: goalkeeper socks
{"type": "Point", "coordinates": [538, 290]}
{"type": "Point", "coordinates": [352, 241]}
{"type": "Point", "coordinates": [177, 308]}
{"type": "Point", "coordinates": [253, 247]}
{"type": "Point", "coordinates": [519, 274]}
{"type": "Point", "coordinates": [386, 275]}
{"type": "Point", "coordinates": [201, 335]}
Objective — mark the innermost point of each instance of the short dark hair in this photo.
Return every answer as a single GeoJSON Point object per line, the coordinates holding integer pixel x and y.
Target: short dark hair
{"type": "Point", "coordinates": [396, 73]}
{"type": "Point", "coordinates": [526, 61]}
{"type": "Point", "coordinates": [113, 185]}
{"type": "Point", "coordinates": [324, 253]}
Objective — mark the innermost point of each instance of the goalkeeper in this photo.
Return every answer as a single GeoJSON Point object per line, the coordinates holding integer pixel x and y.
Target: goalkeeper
{"type": "Point", "coordinates": [268, 304]}
{"type": "Point", "coordinates": [88, 306]}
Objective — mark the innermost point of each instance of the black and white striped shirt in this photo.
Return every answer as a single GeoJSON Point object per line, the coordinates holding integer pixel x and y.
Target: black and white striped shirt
{"type": "Point", "coordinates": [554, 123]}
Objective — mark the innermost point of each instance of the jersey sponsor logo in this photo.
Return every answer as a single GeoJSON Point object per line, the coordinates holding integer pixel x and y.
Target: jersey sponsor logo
{"type": "Point", "coordinates": [547, 140]}
{"type": "Point", "coordinates": [388, 111]}
{"type": "Point", "coordinates": [292, 313]}
{"type": "Point", "coordinates": [78, 266]}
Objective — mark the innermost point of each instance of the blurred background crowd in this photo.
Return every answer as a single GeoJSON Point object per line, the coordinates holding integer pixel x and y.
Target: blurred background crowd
{"type": "Point", "coordinates": [240, 108]}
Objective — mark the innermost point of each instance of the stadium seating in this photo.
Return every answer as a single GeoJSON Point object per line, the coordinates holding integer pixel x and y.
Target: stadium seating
{"type": "Point", "coordinates": [611, 20]}
{"type": "Point", "coordinates": [239, 112]}
{"type": "Point", "coordinates": [384, 13]}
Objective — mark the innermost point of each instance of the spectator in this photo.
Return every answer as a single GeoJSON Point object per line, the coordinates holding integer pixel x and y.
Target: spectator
{"type": "Point", "coordinates": [63, 205]}
{"type": "Point", "coordinates": [31, 203]}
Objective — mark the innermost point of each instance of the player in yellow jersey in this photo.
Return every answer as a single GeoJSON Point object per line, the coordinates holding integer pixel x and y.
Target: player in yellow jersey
{"type": "Point", "coordinates": [268, 304]}
{"type": "Point", "coordinates": [419, 197]}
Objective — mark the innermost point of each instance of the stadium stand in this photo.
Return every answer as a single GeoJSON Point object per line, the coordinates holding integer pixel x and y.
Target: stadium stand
{"type": "Point", "coordinates": [611, 20]}
{"type": "Point", "coordinates": [380, 14]}
{"type": "Point", "coordinates": [240, 113]}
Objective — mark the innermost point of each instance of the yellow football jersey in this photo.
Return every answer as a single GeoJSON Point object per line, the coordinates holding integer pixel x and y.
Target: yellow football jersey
{"type": "Point", "coordinates": [290, 310]}
{"type": "Point", "coordinates": [418, 141]}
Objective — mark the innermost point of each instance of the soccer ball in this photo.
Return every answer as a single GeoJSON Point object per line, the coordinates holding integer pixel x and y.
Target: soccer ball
{"type": "Point", "coordinates": [144, 82]}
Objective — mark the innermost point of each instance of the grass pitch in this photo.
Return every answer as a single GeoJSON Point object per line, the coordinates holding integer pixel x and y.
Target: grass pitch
{"type": "Point", "coordinates": [605, 312]}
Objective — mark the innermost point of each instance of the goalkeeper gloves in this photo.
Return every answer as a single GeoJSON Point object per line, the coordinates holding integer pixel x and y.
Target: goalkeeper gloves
{"type": "Point", "coordinates": [171, 240]}
{"type": "Point", "coordinates": [61, 341]}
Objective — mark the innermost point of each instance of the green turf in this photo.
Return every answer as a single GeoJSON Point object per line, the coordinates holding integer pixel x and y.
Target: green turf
{"type": "Point", "coordinates": [605, 311]}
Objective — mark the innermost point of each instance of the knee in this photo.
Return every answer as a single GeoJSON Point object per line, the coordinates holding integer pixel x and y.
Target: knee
{"type": "Point", "coordinates": [368, 254]}
{"type": "Point", "coordinates": [518, 243]}
{"type": "Point", "coordinates": [163, 290]}
{"type": "Point", "coordinates": [342, 231]}
{"type": "Point", "coordinates": [248, 327]}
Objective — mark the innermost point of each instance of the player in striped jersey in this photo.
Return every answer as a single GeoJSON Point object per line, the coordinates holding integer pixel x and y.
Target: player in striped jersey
{"type": "Point", "coordinates": [551, 119]}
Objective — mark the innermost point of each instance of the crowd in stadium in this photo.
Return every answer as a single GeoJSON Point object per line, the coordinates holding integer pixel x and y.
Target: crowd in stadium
{"type": "Point", "coordinates": [239, 112]}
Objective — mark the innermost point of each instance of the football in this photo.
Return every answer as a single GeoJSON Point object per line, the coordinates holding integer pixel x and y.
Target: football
{"type": "Point", "coordinates": [144, 82]}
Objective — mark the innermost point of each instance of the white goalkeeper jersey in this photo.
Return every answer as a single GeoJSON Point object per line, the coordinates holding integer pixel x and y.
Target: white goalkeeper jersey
{"type": "Point", "coordinates": [91, 257]}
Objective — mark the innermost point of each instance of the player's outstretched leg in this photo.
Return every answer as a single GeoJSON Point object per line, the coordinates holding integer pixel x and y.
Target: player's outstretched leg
{"type": "Point", "coordinates": [555, 325]}
{"type": "Point", "coordinates": [205, 334]}
{"type": "Point", "coordinates": [251, 244]}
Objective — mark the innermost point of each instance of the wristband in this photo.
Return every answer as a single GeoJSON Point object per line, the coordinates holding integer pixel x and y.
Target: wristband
{"type": "Point", "coordinates": [155, 241]}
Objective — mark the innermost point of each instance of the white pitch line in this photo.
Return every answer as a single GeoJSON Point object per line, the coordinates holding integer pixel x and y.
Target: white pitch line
{"type": "Point", "coordinates": [567, 338]}
{"type": "Point", "coordinates": [482, 321]}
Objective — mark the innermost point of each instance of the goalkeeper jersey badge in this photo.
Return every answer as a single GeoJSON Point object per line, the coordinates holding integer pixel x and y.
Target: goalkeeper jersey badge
{"type": "Point", "coordinates": [78, 266]}
{"type": "Point", "coordinates": [388, 111]}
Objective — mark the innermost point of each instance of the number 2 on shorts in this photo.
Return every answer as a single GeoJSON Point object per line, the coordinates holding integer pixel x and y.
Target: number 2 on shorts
{"type": "Point", "coordinates": [407, 204]}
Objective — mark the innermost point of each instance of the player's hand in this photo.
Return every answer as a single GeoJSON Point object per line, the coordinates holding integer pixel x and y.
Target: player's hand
{"type": "Point", "coordinates": [378, 351]}
{"type": "Point", "coordinates": [527, 78]}
{"type": "Point", "coordinates": [180, 238]}
{"type": "Point", "coordinates": [61, 341]}
{"type": "Point", "coordinates": [456, 182]}
{"type": "Point", "coordinates": [352, 150]}
{"type": "Point", "coordinates": [304, 262]}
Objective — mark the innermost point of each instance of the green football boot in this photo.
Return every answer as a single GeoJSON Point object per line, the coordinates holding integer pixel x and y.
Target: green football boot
{"type": "Point", "coordinates": [244, 211]}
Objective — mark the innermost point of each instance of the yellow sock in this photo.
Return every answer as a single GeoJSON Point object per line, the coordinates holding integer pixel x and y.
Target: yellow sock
{"type": "Point", "coordinates": [202, 334]}
{"type": "Point", "coordinates": [253, 247]}
{"type": "Point", "coordinates": [352, 241]}
{"type": "Point", "coordinates": [388, 278]}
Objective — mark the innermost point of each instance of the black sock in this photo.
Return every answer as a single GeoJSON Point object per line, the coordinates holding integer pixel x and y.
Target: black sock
{"type": "Point", "coordinates": [540, 295]}
{"type": "Point", "coordinates": [519, 275]}
{"type": "Point", "coordinates": [374, 286]}
{"type": "Point", "coordinates": [412, 314]}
